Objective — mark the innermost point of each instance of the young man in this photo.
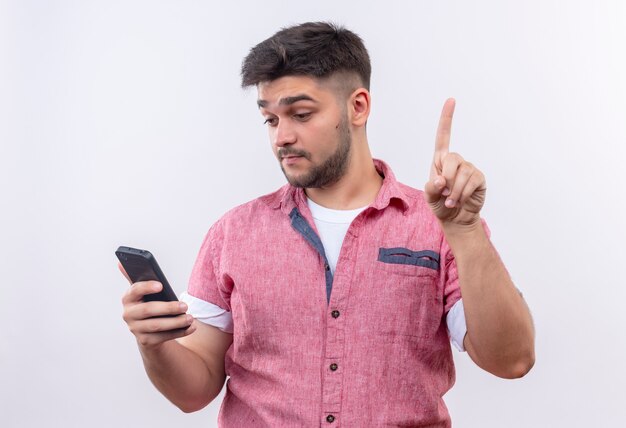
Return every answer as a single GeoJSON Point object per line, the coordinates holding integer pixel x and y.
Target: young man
{"type": "Point", "coordinates": [333, 300]}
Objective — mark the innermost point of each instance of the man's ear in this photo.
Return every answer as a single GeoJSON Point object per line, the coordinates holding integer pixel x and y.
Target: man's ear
{"type": "Point", "coordinates": [359, 105]}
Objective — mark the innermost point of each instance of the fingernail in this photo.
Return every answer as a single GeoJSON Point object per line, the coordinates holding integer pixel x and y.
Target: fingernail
{"type": "Point", "coordinates": [439, 182]}
{"type": "Point", "coordinates": [445, 192]}
{"type": "Point", "coordinates": [189, 319]}
{"type": "Point", "coordinates": [183, 306]}
{"type": "Point", "coordinates": [449, 203]}
{"type": "Point", "coordinates": [156, 286]}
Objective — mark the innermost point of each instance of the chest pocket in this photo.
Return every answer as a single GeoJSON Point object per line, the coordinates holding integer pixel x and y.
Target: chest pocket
{"type": "Point", "coordinates": [403, 256]}
{"type": "Point", "coordinates": [411, 292]}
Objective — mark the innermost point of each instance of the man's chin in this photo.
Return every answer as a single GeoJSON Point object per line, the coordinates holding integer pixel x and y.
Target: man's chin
{"type": "Point", "coordinates": [297, 180]}
{"type": "Point", "coordinates": [294, 181]}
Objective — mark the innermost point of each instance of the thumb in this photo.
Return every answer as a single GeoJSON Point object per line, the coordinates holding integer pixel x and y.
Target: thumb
{"type": "Point", "coordinates": [434, 188]}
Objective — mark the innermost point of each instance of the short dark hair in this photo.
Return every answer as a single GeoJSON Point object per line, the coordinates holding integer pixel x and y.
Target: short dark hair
{"type": "Point", "coordinates": [315, 49]}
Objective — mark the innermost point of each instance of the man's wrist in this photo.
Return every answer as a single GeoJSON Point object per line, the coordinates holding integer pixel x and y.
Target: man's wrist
{"type": "Point", "coordinates": [459, 234]}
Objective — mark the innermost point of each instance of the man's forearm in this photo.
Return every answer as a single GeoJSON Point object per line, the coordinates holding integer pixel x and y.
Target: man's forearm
{"type": "Point", "coordinates": [500, 333]}
{"type": "Point", "coordinates": [181, 375]}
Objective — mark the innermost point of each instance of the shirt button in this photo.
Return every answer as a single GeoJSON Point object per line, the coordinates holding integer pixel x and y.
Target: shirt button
{"type": "Point", "coordinates": [335, 314]}
{"type": "Point", "coordinates": [330, 419]}
{"type": "Point", "coordinates": [326, 266]}
{"type": "Point", "coordinates": [334, 366]}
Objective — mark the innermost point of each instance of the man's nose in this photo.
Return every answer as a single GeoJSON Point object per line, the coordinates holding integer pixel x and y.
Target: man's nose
{"type": "Point", "coordinates": [284, 134]}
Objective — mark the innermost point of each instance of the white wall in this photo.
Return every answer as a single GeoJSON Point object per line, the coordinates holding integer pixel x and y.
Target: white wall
{"type": "Point", "coordinates": [122, 122]}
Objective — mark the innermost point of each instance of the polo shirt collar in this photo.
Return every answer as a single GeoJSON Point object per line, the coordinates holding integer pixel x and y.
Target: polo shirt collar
{"type": "Point", "coordinates": [289, 197]}
{"type": "Point", "coordinates": [390, 190]}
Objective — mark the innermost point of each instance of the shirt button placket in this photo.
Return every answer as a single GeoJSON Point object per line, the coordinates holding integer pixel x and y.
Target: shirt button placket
{"type": "Point", "coordinates": [335, 337]}
{"type": "Point", "coordinates": [333, 378]}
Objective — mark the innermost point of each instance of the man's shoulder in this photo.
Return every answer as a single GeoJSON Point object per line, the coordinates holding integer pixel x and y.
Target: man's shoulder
{"type": "Point", "coordinates": [256, 208]}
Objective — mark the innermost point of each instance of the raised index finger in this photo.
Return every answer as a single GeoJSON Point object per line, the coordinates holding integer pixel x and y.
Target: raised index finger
{"type": "Point", "coordinates": [442, 141]}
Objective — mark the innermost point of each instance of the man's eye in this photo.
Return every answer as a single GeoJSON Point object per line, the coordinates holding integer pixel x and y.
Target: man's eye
{"type": "Point", "coordinates": [302, 116]}
{"type": "Point", "coordinates": [271, 121]}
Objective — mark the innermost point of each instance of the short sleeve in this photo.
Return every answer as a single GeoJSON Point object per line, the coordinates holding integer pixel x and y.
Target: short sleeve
{"type": "Point", "coordinates": [205, 281]}
{"type": "Point", "coordinates": [208, 313]}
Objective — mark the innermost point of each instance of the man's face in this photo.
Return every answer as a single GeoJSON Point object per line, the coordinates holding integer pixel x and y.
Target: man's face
{"type": "Point", "coordinates": [308, 128]}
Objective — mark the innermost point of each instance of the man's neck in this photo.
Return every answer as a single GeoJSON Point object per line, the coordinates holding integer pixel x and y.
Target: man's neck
{"type": "Point", "coordinates": [357, 188]}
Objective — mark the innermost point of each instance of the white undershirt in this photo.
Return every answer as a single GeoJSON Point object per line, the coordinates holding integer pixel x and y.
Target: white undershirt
{"type": "Point", "coordinates": [332, 226]}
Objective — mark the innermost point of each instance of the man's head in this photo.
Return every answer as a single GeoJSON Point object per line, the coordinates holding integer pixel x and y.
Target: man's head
{"type": "Point", "coordinates": [313, 82]}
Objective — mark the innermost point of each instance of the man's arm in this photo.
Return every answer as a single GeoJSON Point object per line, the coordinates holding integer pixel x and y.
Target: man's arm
{"type": "Point", "coordinates": [188, 371]}
{"type": "Point", "coordinates": [500, 333]}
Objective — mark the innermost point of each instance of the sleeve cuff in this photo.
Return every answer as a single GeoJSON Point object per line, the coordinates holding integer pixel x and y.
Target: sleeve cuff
{"type": "Point", "coordinates": [208, 313]}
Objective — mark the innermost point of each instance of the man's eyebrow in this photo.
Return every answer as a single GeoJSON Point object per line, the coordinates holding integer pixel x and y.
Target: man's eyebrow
{"type": "Point", "coordinates": [292, 100]}
{"type": "Point", "coordinates": [287, 100]}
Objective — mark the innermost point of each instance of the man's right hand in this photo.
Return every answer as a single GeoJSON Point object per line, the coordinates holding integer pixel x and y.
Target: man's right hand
{"type": "Point", "coordinates": [153, 323]}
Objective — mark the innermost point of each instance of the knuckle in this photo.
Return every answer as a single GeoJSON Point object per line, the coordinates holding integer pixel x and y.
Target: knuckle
{"type": "Point", "coordinates": [126, 297]}
{"type": "Point", "coordinates": [133, 329]}
{"type": "Point", "coordinates": [153, 327]}
{"type": "Point", "coordinates": [134, 292]}
{"type": "Point", "coordinates": [144, 340]}
{"type": "Point", "coordinates": [465, 173]}
{"type": "Point", "coordinates": [145, 311]}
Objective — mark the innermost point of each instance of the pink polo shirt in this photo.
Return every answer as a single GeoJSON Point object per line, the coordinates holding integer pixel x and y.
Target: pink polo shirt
{"type": "Point", "coordinates": [366, 347]}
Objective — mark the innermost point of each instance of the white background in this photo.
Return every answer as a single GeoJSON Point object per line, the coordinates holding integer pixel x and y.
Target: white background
{"type": "Point", "coordinates": [122, 122]}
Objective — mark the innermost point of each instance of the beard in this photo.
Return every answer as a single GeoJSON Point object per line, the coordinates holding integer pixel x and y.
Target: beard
{"type": "Point", "coordinates": [330, 170]}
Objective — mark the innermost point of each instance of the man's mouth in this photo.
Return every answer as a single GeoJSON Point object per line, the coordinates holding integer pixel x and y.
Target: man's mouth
{"type": "Point", "coordinates": [291, 159]}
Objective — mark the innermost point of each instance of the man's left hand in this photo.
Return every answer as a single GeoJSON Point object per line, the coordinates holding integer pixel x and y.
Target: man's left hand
{"type": "Point", "coordinates": [456, 189]}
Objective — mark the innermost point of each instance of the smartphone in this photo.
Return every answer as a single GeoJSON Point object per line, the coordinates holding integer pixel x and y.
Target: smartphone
{"type": "Point", "coordinates": [140, 265]}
